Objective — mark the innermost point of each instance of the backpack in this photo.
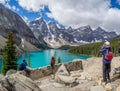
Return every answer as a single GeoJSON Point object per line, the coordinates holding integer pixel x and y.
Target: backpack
{"type": "Point", "coordinates": [109, 56]}
{"type": "Point", "coordinates": [53, 60]}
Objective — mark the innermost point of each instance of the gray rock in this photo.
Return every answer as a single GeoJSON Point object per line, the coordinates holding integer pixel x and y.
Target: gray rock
{"type": "Point", "coordinates": [84, 87]}
{"type": "Point", "coordinates": [118, 88]}
{"type": "Point", "coordinates": [97, 88]}
{"type": "Point", "coordinates": [1, 76]}
{"type": "Point", "coordinates": [62, 70]}
{"type": "Point", "coordinates": [17, 82]}
{"type": "Point", "coordinates": [83, 81]}
{"type": "Point", "coordinates": [58, 85]}
{"type": "Point", "coordinates": [82, 77]}
{"type": "Point", "coordinates": [112, 72]}
{"type": "Point", "coordinates": [11, 71]}
{"type": "Point", "coordinates": [66, 79]}
{"type": "Point", "coordinates": [2, 88]}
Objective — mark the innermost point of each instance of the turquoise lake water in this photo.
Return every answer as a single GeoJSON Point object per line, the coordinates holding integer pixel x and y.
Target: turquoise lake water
{"type": "Point", "coordinates": [42, 58]}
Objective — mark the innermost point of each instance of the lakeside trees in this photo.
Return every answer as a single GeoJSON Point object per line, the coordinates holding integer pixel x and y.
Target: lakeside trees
{"type": "Point", "coordinates": [59, 60]}
{"type": "Point", "coordinates": [29, 60]}
{"type": "Point", "coordinates": [88, 49]}
{"type": "Point", "coordinates": [93, 48]}
{"type": "Point", "coordinates": [9, 57]}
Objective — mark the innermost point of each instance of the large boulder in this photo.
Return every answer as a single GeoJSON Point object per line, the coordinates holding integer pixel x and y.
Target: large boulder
{"type": "Point", "coordinates": [18, 82]}
{"type": "Point", "coordinates": [1, 76]}
{"type": "Point", "coordinates": [66, 79]}
{"type": "Point", "coordinates": [97, 88]}
{"type": "Point", "coordinates": [62, 70]}
{"type": "Point", "coordinates": [118, 88]}
{"type": "Point", "coordinates": [2, 88]}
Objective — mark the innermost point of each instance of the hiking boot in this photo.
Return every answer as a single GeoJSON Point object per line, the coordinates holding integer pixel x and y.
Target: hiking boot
{"type": "Point", "coordinates": [109, 81]}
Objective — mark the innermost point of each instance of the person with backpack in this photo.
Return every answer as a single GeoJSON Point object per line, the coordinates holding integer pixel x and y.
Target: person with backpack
{"type": "Point", "coordinates": [107, 58]}
{"type": "Point", "coordinates": [23, 66]}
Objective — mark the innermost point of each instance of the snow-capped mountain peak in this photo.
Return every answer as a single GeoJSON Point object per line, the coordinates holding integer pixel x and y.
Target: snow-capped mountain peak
{"type": "Point", "coordinates": [53, 35]}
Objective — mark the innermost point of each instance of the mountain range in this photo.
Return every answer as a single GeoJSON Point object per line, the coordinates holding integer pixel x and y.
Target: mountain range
{"type": "Point", "coordinates": [55, 35]}
{"type": "Point", "coordinates": [50, 34]}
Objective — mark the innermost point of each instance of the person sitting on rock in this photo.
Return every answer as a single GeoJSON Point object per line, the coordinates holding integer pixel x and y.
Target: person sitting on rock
{"type": "Point", "coordinates": [23, 67]}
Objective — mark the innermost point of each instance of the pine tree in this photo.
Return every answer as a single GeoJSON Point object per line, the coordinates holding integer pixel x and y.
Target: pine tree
{"type": "Point", "coordinates": [59, 60]}
{"type": "Point", "coordinates": [9, 58]}
{"type": "Point", "coordinates": [28, 60]}
{"type": "Point", "coordinates": [55, 54]}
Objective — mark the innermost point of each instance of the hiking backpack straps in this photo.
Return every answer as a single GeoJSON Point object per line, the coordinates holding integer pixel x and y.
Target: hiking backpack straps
{"type": "Point", "coordinates": [109, 56]}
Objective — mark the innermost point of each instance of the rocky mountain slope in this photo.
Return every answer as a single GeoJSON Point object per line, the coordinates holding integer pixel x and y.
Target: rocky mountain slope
{"type": "Point", "coordinates": [55, 35]}
{"type": "Point", "coordinates": [10, 21]}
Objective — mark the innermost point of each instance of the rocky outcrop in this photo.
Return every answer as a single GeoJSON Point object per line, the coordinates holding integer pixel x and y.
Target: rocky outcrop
{"type": "Point", "coordinates": [2, 88]}
{"type": "Point", "coordinates": [17, 82]}
{"type": "Point", "coordinates": [46, 71]}
{"type": "Point", "coordinates": [118, 88]}
{"type": "Point", "coordinates": [62, 76]}
{"type": "Point", "coordinates": [62, 70]}
{"type": "Point", "coordinates": [97, 88]}
{"type": "Point", "coordinates": [67, 80]}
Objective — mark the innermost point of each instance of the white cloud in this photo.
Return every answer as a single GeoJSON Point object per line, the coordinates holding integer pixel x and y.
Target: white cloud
{"type": "Point", "coordinates": [79, 12]}
{"type": "Point", "coordinates": [14, 8]}
{"type": "Point", "coordinates": [26, 20]}
{"type": "Point", "coordinates": [4, 1]}
{"type": "Point", "coordinates": [32, 5]}
{"type": "Point", "coordinates": [50, 15]}
{"type": "Point", "coordinates": [112, 20]}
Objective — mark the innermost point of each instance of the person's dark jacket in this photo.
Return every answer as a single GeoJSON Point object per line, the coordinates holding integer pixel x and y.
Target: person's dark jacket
{"type": "Point", "coordinates": [105, 51]}
{"type": "Point", "coordinates": [23, 66]}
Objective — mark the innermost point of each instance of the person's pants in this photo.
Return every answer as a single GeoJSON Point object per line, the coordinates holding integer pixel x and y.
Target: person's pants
{"type": "Point", "coordinates": [106, 71]}
{"type": "Point", "coordinates": [27, 71]}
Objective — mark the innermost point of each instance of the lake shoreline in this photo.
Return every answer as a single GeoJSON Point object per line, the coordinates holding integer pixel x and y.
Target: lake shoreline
{"type": "Point", "coordinates": [42, 58]}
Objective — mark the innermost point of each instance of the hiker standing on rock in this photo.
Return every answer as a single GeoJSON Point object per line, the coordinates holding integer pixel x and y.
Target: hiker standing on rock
{"type": "Point", "coordinates": [52, 63]}
{"type": "Point", "coordinates": [107, 57]}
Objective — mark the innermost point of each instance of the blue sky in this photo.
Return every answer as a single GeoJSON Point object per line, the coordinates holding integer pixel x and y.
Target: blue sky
{"type": "Point", "coordinates": [30, 14]}
{"type": "Point", "coordinates": [114, 4]}
{"type": "Point", "coordinates": [75, 13]}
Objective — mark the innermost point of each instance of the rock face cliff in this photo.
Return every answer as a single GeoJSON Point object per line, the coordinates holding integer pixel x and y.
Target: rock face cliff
{"type": "Point", "coordinates": [10, 21]}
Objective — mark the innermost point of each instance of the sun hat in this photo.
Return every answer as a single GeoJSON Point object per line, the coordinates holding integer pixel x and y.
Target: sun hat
{"type": "Point", "coordinates": [107, 42]}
